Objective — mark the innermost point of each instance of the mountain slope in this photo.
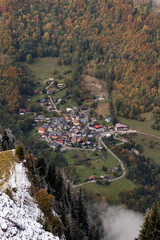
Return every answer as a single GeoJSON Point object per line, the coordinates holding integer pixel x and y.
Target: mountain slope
{"type": "Point", "coordinates": [123, 38]}
{"type": "Point", "coordinates": [18, 211]}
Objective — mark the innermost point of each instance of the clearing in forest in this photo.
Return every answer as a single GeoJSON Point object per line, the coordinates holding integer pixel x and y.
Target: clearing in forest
{"type": "Point", "coordinates": [97, 87]}
{"type": "Point", "coordinates": [94, 85]}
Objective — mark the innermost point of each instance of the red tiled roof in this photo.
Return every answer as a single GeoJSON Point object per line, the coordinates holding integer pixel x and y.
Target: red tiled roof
{"type": "Point", "coordinates": [22, 110]}
{"type": "Point", "coordinates": [98, 126]}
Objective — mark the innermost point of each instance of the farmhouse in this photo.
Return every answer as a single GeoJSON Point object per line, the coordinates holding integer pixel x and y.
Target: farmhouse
{"type": "Point", "coordinates": [121, 127]}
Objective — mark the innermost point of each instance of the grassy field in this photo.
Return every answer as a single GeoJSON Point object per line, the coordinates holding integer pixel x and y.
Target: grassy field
{"type": "Point", "coordinates": [42, 68]}
{"type": "Point", "coordinates": [7, 162]}
{"type": "Point", "coordinates": [103, 109]}
{"type": "Point", "coordinates": [151, 146]}
{"type": "Point", "coordinates": [110, 192]}
{"type": "Point", "coordinates": [141, 126]}
{"type": "Point", "coordinates": [84, 164]}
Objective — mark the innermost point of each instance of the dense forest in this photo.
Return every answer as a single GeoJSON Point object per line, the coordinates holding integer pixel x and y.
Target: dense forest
{"type": "Point", "coordinates": [122, 37]}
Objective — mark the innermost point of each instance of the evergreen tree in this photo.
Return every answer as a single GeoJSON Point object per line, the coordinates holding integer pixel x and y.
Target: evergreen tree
{"type": "Point", "coordinates": [59, 186]}
{"type": "Point", "coordinates": [82, 214]}
{"type": "Point", "coordinates": [151, 227]}
{"type": "Point", "coordinates": [41, 166]}
{"type": "Point", "coordinates": [20, 152]}
{"type": "Point", "coordinates": [93, 233]}
{"type": "Point", "coordinates": [51, 177]}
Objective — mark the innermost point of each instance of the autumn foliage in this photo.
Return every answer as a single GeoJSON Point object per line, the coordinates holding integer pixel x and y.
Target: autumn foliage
{"type": "Point", "coordinates": [121, 36]}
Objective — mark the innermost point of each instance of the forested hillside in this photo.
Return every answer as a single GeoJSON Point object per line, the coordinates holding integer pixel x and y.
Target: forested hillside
{"type": "Point", "coordinates": [121, 36]}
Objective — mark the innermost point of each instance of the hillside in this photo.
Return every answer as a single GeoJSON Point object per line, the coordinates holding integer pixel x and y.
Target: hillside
{"type": "Point", "coordinates": [123, 38]}
{"type": "Point", "coordinates": [18, 210]}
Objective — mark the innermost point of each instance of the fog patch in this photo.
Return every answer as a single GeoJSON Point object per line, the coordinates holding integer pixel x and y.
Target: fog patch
{"type": "Point", "coordinates": [121, 224]}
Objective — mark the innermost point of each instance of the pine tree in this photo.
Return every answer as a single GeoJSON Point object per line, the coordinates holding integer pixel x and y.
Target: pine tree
{"type": "Point", "coordinates": [93, 233]}
{"type": "Point", "coordinates": [20, 152]}
{"type": "Point", "coordinates": [151, 227]}
{"type": "Point", "coordinates": [82, 214]}
{"type": "Point", "coordinates": [41, 166]}
{"type": "Point", "coordinates": [51, 177]}
{"type": "Point", "coordinates": [59, 186]}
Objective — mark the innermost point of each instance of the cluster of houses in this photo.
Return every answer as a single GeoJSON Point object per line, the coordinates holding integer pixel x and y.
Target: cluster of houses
{"type": "Point", "coordinates": [72, 130]}
{"type": "Point", "coordinates": [69, 130]}
{"type": "Point", "coordinates": [107, 176]}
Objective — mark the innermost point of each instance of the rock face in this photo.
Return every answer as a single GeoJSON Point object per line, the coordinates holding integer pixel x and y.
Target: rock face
{"type": "Point", "coordinates": [18, 216]}
{"type": "Point", "coordinates": [16, 224]}
{"type": "Point", "coordinates": [9, 141]}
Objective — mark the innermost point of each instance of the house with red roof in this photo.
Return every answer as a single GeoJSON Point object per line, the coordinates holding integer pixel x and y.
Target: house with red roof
{"type": "Point", "coordinates": [41, 130]}
{"type": "Point", "coordinates": [60, 141]}
{"type": "Point", "coordinates": [22, 111]}
{"type": "Point", "coordinates": [92, 178]}
{"type": "Point", "coordinates": [99, 128]}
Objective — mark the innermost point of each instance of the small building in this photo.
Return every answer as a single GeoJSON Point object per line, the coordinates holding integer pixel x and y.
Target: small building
{"type": "Point", "coordinates": [99, 128]}
{"type": "Point", "coordinates": [121, 127]}
{"type": "Point", "coordinates": [41, 130]}
{"type": "Point", "coordinates": [60, 141]}
{"type": "Point", "coordinates": [92, 178]}
{"type": "Point", "coordinates": [60, 100]}
{"type": "Point", "coordinates": [95, 144]}
{"type": "Point", "coordinates": [110, 128]}
{"type": "Point", "coordinates": [79, 140]}
{"type": "Point", "coordinates": [22, 111]}
{"type": "Point", "coordinates": [88, 143]}
{"type": "Point", "coordinates": [75, 109]}
{"type": "Point", "coordinates": [75, 122]}
{"type": "Point", "coordinates": [49, 129]}
{"type": "Point", "coordinates": [115, 169]}
{"type": "Point", "coordinates": [56, 145]}
{"type": "Point", "coordinates": [108, 135]}
{"type": "Point", "coordinates": [88, 100]}
{"type": "Point", "coordinates": [60, 85]}
{"type": "Point", "coordinates": [90, 136]}
{"type": "Point", "coordinates": [136, 152]}
{"type": "Point", "coordinates": [37, 119]}
{"type": "Point", "coordinates": [54, 137]}
{"type": "Point", "coordinates": [108, 120]}
{"type": "Point", "coordinates": [100, 149]}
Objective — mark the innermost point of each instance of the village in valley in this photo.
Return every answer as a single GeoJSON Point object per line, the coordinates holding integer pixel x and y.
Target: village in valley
{"type": "Point", "coordinates": [74, 129]}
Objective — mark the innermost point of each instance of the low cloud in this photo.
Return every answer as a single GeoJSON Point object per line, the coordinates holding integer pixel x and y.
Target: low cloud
{"type": "Point", "coordinates": [121, 224]}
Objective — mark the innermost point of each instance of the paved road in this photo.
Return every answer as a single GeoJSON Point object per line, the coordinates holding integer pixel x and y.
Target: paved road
{"type": "Point", "coordinates": [49, 85]}
{"type": "Point", "coordinates": [115, 156]}
{"type": "Point", "coordinates": [54, 105]}
{"type": "Point", "coordinates": [147, 134]}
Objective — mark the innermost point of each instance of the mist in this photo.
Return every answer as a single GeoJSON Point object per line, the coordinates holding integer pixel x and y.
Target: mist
{"type": "Point", "coordinates": [121, 224]}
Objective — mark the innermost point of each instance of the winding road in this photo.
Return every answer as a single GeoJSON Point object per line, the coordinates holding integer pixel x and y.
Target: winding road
{"type": "Point", "coordinates": [115, 156]}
